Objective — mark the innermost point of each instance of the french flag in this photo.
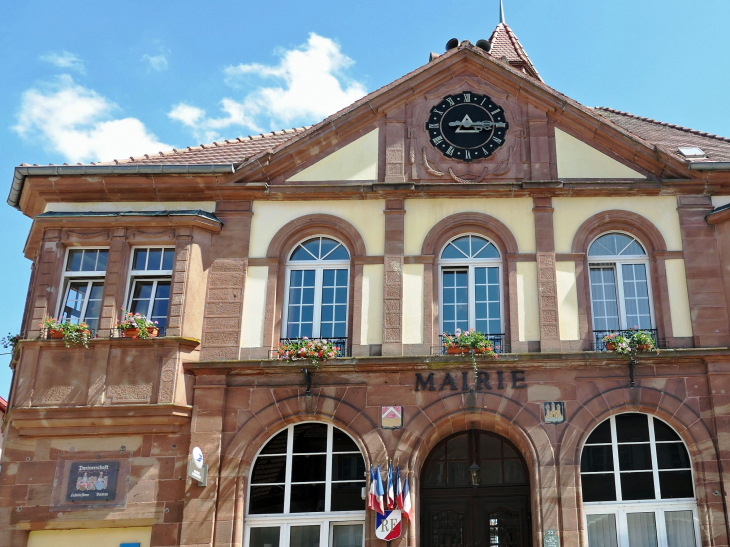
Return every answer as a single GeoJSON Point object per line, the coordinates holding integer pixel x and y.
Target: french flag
{"type": "Point", "coordinates": [397, 488]}
{"type": "Point", "coordinates": [379, 492]}
{"type": "Point", "coordinates": [390, 498]}
{"type": "Point", "coordinates": [407, 508]}
{"type": "Point", "coordinates": [373, 494]}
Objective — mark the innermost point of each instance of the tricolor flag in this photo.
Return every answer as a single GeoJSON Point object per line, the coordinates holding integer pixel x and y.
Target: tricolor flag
{"type": "Point", "coordinates": [397, 488]}
{"type": "Point", "coordinates": [407, 509]}
{"type": "Point", "coordinates": [379, 505]}
{"type": "Point", "coordinates": [373, 494]}
{"type": "Point", "coordinates": [390, 497]}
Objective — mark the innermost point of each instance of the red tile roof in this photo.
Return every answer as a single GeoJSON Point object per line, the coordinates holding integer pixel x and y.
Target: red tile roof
{"type": "Point", "coordinates": [669, 135]}
{"type": "Point", "coordinates": [506, 45]}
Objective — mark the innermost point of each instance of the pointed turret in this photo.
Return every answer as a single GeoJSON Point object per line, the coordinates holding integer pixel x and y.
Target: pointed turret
{"type": "Point", "coordinates": [505, 45]}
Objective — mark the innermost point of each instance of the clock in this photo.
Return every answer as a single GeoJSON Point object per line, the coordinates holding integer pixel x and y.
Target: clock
{"type": "Point", "coordinates": [467, 126]}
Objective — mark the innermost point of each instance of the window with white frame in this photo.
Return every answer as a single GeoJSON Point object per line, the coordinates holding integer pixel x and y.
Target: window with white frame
{"type": "Point", "coordinates": [638, 491]}
{"type": "Point", "coordinates": [307, 490]}
{"type": "Point", "coordinates": [317, 290]}
{"type": "Point", "coordinates": [471, 286]}
{"type": "Point", "coordinates": [83, 286]}
{"type": "Point", "coordinates": [150, 282]}
{"type": "Point", "coordinates": [620, 288]}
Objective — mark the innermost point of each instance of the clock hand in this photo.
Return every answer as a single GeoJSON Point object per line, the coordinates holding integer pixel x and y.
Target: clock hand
{"type": "Point", "coordinates": [478, 125]}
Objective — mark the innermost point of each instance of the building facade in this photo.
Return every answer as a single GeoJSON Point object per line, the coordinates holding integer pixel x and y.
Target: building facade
{"type": "Point", "coordinates": [466, 195]}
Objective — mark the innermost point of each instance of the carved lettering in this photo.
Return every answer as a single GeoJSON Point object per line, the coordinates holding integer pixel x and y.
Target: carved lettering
{"type": "Point", "coordinates": [483, 379]}
{"type": "Point", "coordinates": [420, 382]}
{"type": "Point", "coordinates": [448, 380]}
{"type": "Point", "coordinates": [517, 377]}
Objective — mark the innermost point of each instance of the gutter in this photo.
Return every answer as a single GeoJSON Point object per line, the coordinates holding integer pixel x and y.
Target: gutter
{"type": "Point", "coordinates": [709, 165]}
{"type": "Point", "coordinates": [21, 172]}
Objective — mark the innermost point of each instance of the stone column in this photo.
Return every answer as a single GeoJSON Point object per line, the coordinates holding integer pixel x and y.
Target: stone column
{"type": "Point", "coordinates": [115, 281]}
{"type": "Point", "coordinates": [48, 263]}
{"type": "Point", "coordinates": [546, 277]}
{"type": "Point", "coordinates": [393, 283]}
{"type": "Point", "coordinates": [705, 285]}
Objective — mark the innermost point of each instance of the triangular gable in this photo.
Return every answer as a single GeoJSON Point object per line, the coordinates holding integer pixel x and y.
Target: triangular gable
{"type": "Point", "coordinates": [357, 160]}
{"type": "Point", "coordinates": [578, 160]}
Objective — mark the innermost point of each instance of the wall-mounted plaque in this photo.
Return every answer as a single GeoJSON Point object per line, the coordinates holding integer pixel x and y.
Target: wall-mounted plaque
{"type": "Point", "coordinates": [391, 417]}
{"type": "Point", "coordinates": [92, 481]}
{"type": "Point", "coordinates": [551, 539]}
{"type": "Point", "coordinates": [554, 412]}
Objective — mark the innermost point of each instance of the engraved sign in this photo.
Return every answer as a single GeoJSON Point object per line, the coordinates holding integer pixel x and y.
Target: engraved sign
{"type": "Point", "coordinates": [554, 412]}
{"type": "Point", "coordinates": [92, 481]}
{"type": "Point", "coordinates": [550, 539]}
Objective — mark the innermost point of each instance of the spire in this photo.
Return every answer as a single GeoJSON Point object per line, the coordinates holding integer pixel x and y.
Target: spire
{"type": "Point", "coordinates": [501, 13]}
{"type": "Point", "coordinates": [506, 46]}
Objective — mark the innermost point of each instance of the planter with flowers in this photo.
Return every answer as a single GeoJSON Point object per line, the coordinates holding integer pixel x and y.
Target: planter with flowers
{"type": "Point", "coordinates": [315, 350]}
{"type": "Point", "coordinates": [629, 343]}
{"type": "Point", "coordinates": [10, 342]}
{"type": "Point", "coordinates": [137, 326]}
{"type": "Point", "coordinates": [73, 334]}
{"type": "Point", "coordinates": [468, 342]}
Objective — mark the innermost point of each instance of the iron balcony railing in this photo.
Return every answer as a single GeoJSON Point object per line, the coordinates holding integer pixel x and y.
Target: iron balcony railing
{"type": "Point", "coordinates": [600, 345]}
{"type": "Point", "coordinates": [342, 343]}
{"type": "Point", "coordinates": [500, 346]}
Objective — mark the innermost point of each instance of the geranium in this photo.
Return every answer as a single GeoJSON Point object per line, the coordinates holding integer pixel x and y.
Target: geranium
{"type": "Point", "coordinates": [10, 341]}
{"type": "Point", "coordinates": [73, 333]}
{"type": "Point", "coordinates": [137, 321]}
{"type": "Point", "coordinates": [629, 343]}
{"type": "Point", "coordinates": [315, 350]}
{"type": "Point", "coordinates": [475, 342]}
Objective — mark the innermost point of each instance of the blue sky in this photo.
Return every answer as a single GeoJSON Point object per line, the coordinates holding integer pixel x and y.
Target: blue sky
{"type": "Point", "coordinates": [86, 81]}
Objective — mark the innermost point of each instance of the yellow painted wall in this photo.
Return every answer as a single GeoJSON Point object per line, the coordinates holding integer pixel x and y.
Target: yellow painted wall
{"type": "Point", "coordinates": [567, 301]}
{"type": "Point", "coordinates": [719, 201]}
{"type": "Point", "coordinates": [106, 207]}
{"type": "Point", "coordinates": [678, 297]}
{"type": "Point", "coordinates": [570, 213]}
{"type": "Point", "coordinates": [366, 216]}
{"type": "Point", "coordinates": [254, 307]}
{"type": "Point", "coordinates": [413, 304]}
{"type": "Point", "coordinates": [356, 161]}
{"type": "Point", "coordinates": [423, 214]}
{"type": "Point", "coordinates": [527, 305]}
{"type": "Point", "coordinates": [371, 329]}
{"type": "Point", "coordinates": [103, 537]}
{"type": "Point", "coordinates": [578, 160]}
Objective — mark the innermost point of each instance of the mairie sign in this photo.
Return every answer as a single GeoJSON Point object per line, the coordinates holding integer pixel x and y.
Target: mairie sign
{"type": "Point", "coordinates": [388, 527]}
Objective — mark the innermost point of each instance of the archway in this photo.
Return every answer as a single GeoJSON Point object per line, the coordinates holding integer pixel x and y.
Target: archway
{"type": "Point", "coordinates": [475, 492]}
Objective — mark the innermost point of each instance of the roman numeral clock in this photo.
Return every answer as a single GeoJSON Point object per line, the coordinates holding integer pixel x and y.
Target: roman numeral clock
{"type": "Point", "coordinates": [467, 126]}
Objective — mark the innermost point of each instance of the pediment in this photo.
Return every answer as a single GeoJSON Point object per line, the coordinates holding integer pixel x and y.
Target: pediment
{"type": "Point", "coordinates": [384, 137]}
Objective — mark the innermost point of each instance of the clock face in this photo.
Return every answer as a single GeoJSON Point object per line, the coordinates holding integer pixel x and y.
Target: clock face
{"type": "Point", "coordinates": [467, 126]}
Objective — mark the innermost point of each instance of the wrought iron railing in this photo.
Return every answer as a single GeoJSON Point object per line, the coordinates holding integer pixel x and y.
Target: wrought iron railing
{"type": "Point", "coordinates": [600, 345]}
{"type": "Point", "coordinates": [341, 342]}
{"type": "Point", "coordinates": [500, 346]}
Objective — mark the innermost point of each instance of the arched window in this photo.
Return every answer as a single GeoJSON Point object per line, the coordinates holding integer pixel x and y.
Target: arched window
{"type": "Point", "coordinates": [471, 286]}
{"type": "Point", "coordinates": [636, 477]}
{"type": "Point", "coordinates": [317, 290]}
{"type": "Point", "coordinates": [307, 489]}
{"type": "Point", "coordinates": [620, 288]}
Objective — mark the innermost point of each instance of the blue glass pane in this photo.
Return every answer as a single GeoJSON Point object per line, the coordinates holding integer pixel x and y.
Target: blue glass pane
{"type": "Point", "coordinates": [294, 314]}
{"type": "Point", "coordinates": [481, 325]}
{"type": "Point", "coordinates": [493, 292]}
{"type": "Point", "coordinates": [493, 310]}
{"type": "Point", "coordinates": [341, 295]}
{"type": "Point", "coordinates": [140, 258]}
{"type": "Point", "coordinates": [326, 330]}
{"type": "Point", "coordinates": [462, 311]}
{"type": "Point", "coordinates": [327, 246]}
{"type": "Point", "coordinates": [313, 246]}
{"type": "Point", "coordinates": [74, 260]}
{"type": "Point", "coordinates": [340, 253]}
{"type": "Point", "coordinates": [480, 276]}
{"type": "Point", "coordinates": [328, 296]}
{"type": "Point", "coordinates": [163, 290]}
{"type": "Point", "coordinates": [461, 296]}
{"type": "Point", "coordinates": [142, 289]}
{"type": "Point", "coordinates": [308, 295]}
{"type": "Point", "coordinates": [492, 275]}
{"type": "Point", "coordinates": [327, 313]}
{"type": "Point", "coordinates": [97, 289]}
{"type": "Point", "coordinates": [341, 278]}
{"type": "Point", "coordinates": [309, 278]}
{"type": "Point", "coordinates": [480, 293]}
{"type": "Point", "coordinates": [340, 330]}
{"type": "Point", "coordinates": [154, 261]}
{"type": "Point", "coordinates": [307, 314]}
{"type": "Point", "coordinates": [490, 251]}
{"type": "Point", "coordinates": [462, 244]}
{"type": "Point", "coordinates": [494, 327]}
{"type": "Point", "coordinates": [634, 250]}
{"type": "Point", "coordinates": [88, 264]}
{"type": "Point", "coordinates": [448, 313]}
{"type": "Point", "coordinates": [295, 278]}
{"type": "Point", "coordinates": [168, 259]}
{"type": "Point", "coordinates": [452, 252]}
{"type": "Point", "coordinates": [159, 308]}
{"type": "Point", "coordinates": [448, 296]}
{"type": "Point", "coordinates": [328, 278]}
{"type": "Point", "coordinates": [306, 330]}
{"type": "Point", "coordinates": [301, 254]}
{"type": "Point", "coordinates": [102, 260]}
{"type": "Point", "coordinates": [140, 306]}
{"type": "Point", "coordinates": [449, 279]}
{"type": "Point", "coordinates": [295, 296]}
{"type": "Point", "coordinates": [340, 313]}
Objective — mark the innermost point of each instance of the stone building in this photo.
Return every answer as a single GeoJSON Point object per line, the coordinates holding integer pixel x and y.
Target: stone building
{"type": "Point", "coordinates": [468, 194]}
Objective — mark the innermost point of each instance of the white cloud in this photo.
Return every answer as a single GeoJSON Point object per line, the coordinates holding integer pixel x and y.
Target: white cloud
{"type": "Point", "coordinates": [156, 62]}
{"type": "Point", "coordinates": [311, 86]}
{"type": "Point", "coordinates": [77, 122]}
{"type": "Point", "coordinates": [65, 59]}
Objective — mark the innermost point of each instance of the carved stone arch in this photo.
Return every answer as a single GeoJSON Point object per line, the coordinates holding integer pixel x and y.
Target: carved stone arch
{"type": "Point", "coordinates": [494, 230]}
{"type": "Point", "coordinates": [616, 220]}
{"type": "Point", "coordinates": [279, 248]}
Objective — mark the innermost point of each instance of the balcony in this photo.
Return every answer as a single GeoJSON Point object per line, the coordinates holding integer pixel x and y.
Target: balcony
{"type": "Point", "coordinates": [500, 346]}
{"type": "Point", "coordinates": [599, 345]}
{"type": "Point", "coordinates": [345, 350]}
{"type": "Point", "coordinates": [45, 334]}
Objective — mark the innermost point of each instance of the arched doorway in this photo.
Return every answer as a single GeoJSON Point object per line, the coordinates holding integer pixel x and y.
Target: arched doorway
{"type": "Point", "coordinates": [475, 492]}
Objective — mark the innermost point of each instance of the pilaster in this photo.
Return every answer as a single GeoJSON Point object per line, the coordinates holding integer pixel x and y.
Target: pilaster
{"type": "Point", "coordinates": [393, 282]}
{"type": "Point", "coordinates": [546, 276]}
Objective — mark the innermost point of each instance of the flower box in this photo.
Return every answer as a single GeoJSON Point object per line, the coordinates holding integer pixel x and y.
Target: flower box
{"type": "Point", "coordinates": [134, 333]}
{"type": "Point", "coordinates": [56, 334]}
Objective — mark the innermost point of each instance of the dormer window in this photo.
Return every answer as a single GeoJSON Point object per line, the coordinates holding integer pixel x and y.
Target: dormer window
{"type": "Point", "coordinates": [692, 152]}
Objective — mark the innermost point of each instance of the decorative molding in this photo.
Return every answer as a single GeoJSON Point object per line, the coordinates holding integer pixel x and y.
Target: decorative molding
{"type": "Point", "coordinates": [143, 234]}
{"type": "Point", "coordinates": [101, 234]}
{"type": "Point", "coordinates": [499, 169]}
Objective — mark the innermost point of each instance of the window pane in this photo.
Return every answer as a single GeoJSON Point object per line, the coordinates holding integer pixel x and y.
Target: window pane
{"type": "Point", "coordinates": [168, 259]}
{"type": "Point", "coordinates": [88, 263]}
{"type": "Point", "coordinates": [269, 469]}
{"type": "Point", "coordinates": [308, 468]}
{"type": "Point", "coordinates": [340, 253]}
{"type": "Point", "coordinates": [491, 472]}
{"type": "Point", "coordinates": [642, 529]}
{"type": "Point", "coordinates": [602, 434]}
{"type": "Point", "coordinates": [634, 457]}
{"type": "Point", "coordinates": [637, 486]}
{"type": "Point", "coordinates": [672, 456]}
{"type": "Point", "coordinates": [490, 251]}
{"type": "Point", "coordinates": [462, 244]}
{"type": "Point", "coordinates": [142, 290]}
{"type": "Point", "coordinates": [597, 458]}
{"type": "Point", "coordinates": [514, 472]}
{"type": "Point", "coordinates": [304, 536]}
{"type": "Point", "coordinates": [310, 438]}
{"type": "Point", "coordinates": [140, 259]}
{"type": "Point", "coordinates": [74, 260]}
{"type": "Point", "coordinates": [347, 496]}
{"type": "Point", "coordinates": [680, 528]}
{"type": "Point", "coordinates": [435, 474]}
{"type": "Point", "coordinates": [154, 259]}
{"type": "Point", "coordinates": [598, 487]}
{"type": "Point", "coordinates": [662, 432]}
{"type": "Point", "coordinates": [458, 474]}
{"type": "Point", "coordinates": [632, 428]}
{"type": "Point", "coordinates": [277, 445]}
{"type": "Point", "coordinates": [605, 309]}
{"type": "Point", "coordinates": [636, 295]}
{"type": "Point", "coordinates": [264, 537]}
{"type": "Point", "coordinates": [266, 499]}
{"type": "Point", "coordinates": [348, 467]}
{"type": "Point", "coordinates": [602, 531]}
{"type": "Point", "coordinates": [75, 301]}
{"type": "Point", "coordinates": [342, 442]}
{"type": "Point", "coordinates": [489, 447]}
{"type": "Point", "coordinates": [347, 535]}
{"type": "Point", "coordinates": [307, 498]}
{"type": "Point", "coordinates": [458, 448]}
{"type": "Point", "coordinates": [676, 484]}
{"type": "Point", "coordinates": [102, 260]}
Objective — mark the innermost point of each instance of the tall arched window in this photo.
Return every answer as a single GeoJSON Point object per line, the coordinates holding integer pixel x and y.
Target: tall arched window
{"type": "Point", "coordinates": [471, 286]}
{"type": "Point", "coordinates": [317, 290]}
{"type": "Point", "coordinates": [620, 288]}
{"type": "Point", "coordinates": [636, 477]}
{"type": "Point", "coordinates": [307, 490]}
